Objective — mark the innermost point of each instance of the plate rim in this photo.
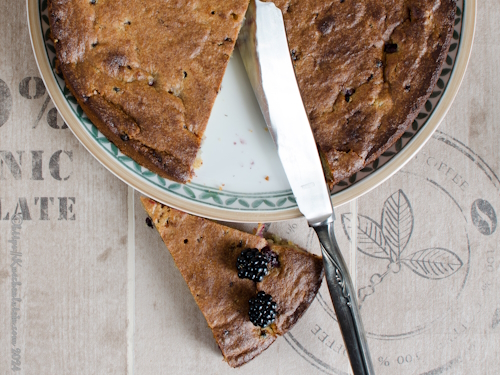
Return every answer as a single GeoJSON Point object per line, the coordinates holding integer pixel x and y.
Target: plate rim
{"type": "Point", "coordinates": [218, 213]}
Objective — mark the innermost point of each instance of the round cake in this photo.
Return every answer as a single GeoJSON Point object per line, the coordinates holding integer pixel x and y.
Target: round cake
{"type": "Point", "coordinates": [147, 72]}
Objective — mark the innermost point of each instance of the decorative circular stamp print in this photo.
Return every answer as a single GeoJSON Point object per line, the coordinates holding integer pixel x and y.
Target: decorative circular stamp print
{"type": "Point", "coordinates": [427, 269]}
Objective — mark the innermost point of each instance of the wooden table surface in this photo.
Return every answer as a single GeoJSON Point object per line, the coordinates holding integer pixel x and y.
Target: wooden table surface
{"type": "Point", "coordinates": [87, 288]}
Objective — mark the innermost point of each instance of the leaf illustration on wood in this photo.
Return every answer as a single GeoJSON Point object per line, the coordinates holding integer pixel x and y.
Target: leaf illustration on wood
{"type": "Point", "coordinates": [397, 223]}
{"type": "Point", "coordinates": [433, 263]}
{"type": "Point", "coordinates": [371, 240]}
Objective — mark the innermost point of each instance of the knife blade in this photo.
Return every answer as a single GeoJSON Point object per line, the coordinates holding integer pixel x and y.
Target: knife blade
{"type": "Point", "coordinates": [264, 49]}
{"type": "Point", "coordinates": [263, 46]}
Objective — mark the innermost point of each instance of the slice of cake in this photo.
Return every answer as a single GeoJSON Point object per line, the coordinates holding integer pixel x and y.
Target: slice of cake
{"type": "Point", "coordinates": [147, 73]}
{"type": "Point", "coordinates": [209, 257]}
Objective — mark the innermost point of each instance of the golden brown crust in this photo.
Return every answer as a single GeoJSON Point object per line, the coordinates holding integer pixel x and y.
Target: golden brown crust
{"type": "Point", "coordinates": [365, 69]}
{"type": "Point", "coordinates": [205, 253]}
{"type": "Point", "coordinates": [146, 77]}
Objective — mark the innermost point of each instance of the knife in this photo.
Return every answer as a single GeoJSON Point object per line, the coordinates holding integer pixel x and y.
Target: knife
{"type": "Point", "coordinates": [264, 49]}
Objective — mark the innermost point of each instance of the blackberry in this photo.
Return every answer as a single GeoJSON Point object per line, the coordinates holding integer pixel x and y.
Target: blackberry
{"type": "Point", "coordinates": [252, 264]}
{"type": "Point", "coordinates": [262, 310]}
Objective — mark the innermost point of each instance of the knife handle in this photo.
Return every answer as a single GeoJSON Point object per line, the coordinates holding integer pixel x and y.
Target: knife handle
{"type": "Point", "coordinates": [344, 300]}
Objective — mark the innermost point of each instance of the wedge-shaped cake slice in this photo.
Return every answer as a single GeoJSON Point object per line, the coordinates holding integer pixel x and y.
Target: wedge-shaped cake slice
{"type": "Point", "coordinates": [206, 253]}
{"type": "Point", "coordinates": [147, 72]}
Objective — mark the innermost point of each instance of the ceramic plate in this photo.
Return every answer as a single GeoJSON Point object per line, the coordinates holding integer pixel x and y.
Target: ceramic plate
{"type": "Point", "coordinates": [241, 178]}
